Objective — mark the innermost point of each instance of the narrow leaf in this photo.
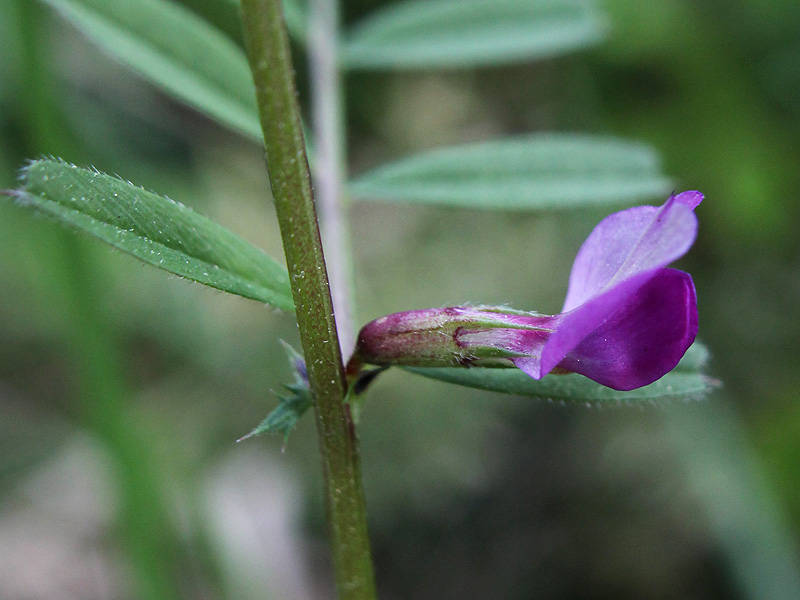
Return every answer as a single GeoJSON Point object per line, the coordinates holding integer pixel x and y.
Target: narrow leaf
{"type": "Point", "coordinates": [175, 49]}
{"type": "Point", "coordinates": [540, 171]}
{"type": "Point", "coordinates": [154, 229]}
{"type": "Point", "coordinates": [685, 382]}
{"type": "Point", "coordinates": [463, 33]}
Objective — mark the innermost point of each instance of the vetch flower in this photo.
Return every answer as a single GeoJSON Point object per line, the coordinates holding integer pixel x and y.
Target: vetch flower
{"type": "Point", "coordinates": [627, 319]}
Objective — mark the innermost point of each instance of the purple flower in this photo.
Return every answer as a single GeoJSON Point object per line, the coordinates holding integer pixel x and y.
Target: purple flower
{"type": "Point", "coordinates": [627, 319]}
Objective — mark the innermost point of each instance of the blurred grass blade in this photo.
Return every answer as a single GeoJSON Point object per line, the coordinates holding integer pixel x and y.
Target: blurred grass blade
{"type": "Point", "coordinates": [154, 229]}
{"type": "Point", "coordinates": [464, 33]}
{"type": "Point", "coordinates": [685, 382]}
{"type": "Point", "coordinates": [539, 171]}
{"type": "Point", "coordinates": [175, 49]}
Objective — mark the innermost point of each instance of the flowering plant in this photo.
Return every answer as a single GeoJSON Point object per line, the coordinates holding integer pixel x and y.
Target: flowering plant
{"type": "Point", "coordinates": [627, 319]}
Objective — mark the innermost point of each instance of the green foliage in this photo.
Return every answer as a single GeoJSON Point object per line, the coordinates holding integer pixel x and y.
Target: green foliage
{"type": "Point", "coordinates": [154, 229]}
{"type": "Point", "coordinates": [177, 50]}
{"type": "Point", "coordinates": [462, 33]}
{"type": "Point", "coordinates": [532, 172]}
{"type": "Point", "coordinates": [685, 382]}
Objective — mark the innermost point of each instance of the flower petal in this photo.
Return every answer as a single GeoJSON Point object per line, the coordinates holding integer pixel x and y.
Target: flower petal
{"type": "Point", "coordinates": [583, 321]}
{"type": "Point", "coordinates": [640, 329]}
{"type": "Point", "coordinates": [532, 365]}
{"type": "Point", "coordinates": [692, 198]}
{"type": "Point", "coordinates": [508, 341]}
{"type": "Point", "coordinates": [632, 241]}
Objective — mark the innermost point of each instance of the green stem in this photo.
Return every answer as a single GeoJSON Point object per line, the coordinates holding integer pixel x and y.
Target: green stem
{"type": "Point", "coordinates": [270, 60]}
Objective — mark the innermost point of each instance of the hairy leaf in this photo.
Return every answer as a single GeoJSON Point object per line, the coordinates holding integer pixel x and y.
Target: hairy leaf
{"type": "Point", "coordinates": [177, 50]}
{"type": "Point", "coordinates": [463, 33]}
{"type": "Point", "coordinates": [685, 382]}
{"type": "Point", "coordinates": [154, 229]}
{"type": "Point", "coordinates": [540, 171]}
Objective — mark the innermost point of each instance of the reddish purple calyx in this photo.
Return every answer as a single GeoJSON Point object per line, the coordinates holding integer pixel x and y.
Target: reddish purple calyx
{"type": "Point", "coordinates": [627, 318]}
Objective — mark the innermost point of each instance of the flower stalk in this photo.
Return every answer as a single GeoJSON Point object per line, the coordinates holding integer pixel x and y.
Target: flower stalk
{"type": "Point", "coordinates": [268, 52]}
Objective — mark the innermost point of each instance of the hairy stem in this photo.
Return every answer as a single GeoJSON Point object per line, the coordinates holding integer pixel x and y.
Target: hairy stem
{"type": "Point", "coordinates": [270, 61]}
{"type": "Point", "coordinates": [329, 166]}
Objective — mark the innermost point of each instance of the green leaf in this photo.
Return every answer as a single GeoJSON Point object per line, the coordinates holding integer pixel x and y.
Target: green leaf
{"type": "Point", "coordinates": [685, 382]}
{"type": "Point", "coordinates": [177, 50]}
{"type": "Point", "coordinates": [465, 33]}
{"type": "Point", "coordinates": [539, 171]}
{"type": "Point", "coordinates": [154, 229]}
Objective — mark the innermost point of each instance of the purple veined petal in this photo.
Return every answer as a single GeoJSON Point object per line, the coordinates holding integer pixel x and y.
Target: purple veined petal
{"type": "Point", "coordinates": [532, 344]}
{"type": "Point", "coordinates": [631, 335]}
{"type": "Point", "coordinates": [576, 325]}
{"type": "Point", "coordinates": [519, 341]}
{"type": "Point", "coordinates": [531, 365]}
{"type": "Point", "coordinates": [632, 241]}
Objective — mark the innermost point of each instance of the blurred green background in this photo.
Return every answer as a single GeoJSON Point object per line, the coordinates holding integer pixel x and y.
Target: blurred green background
{"type": "Point", "coordinates": [122, 390]}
